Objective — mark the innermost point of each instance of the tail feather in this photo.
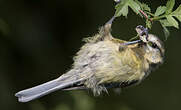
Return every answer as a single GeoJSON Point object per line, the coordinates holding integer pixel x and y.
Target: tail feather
{"type": "Point", "coordinates": [43, 89]}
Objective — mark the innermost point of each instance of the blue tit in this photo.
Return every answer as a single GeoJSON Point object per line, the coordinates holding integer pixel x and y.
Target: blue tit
{"type": "Point", "coordinates": [105, 62]}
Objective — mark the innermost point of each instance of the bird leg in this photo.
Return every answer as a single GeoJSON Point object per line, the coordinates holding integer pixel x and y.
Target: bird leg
{"type": "Point", "coordinates": [142, 32]}
{"type": "Point", "coordinates": [132, 42]}
{"type": "Point", "coordinates": [107, 28]}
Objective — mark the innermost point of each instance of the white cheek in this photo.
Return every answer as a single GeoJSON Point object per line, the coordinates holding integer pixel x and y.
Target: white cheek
{"type": "Point", "coordinates": [149, 49]}
{"type": "Point", "coordinates": [152, 39]}
{"type": "Point", "coordinates": [155, 56]}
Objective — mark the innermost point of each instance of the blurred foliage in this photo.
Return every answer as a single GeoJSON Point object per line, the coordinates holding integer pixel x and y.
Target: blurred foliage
{"type": "Point", "coordinates": [38, 39]}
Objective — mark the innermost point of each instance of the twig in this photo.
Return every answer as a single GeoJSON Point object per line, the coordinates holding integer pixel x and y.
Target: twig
{"type": "Point", "coordinates": [145, 15]}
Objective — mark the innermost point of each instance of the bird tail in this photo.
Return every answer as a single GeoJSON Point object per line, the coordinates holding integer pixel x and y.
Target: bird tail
{"type": "Point", "coordinates": [44, 89]}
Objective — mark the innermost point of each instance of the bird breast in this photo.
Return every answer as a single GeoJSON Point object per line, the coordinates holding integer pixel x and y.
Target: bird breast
{"type": "Point", "coordinates": [105, 63]}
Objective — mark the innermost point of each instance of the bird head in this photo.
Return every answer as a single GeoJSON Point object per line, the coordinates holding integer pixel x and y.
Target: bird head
{"type": "Point", "coordinates": [152, 45]}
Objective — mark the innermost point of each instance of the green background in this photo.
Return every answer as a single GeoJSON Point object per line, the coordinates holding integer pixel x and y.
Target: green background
{"type": "Point", "coordinates": [38, 39]}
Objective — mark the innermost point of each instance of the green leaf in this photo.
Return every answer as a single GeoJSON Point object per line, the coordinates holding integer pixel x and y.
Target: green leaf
{"type": "Point", "coordinates": [165, 23]}
{"type": "Point", "coordinates": [166, 32]}
{"type": "Point", "coordinates": [172, 21]}
{"type": "Point", "coordinates": [134, 6]}
{"type": "Point", "coordinates": [148, 24]}
{"type": "Point", "coordinates": [121, 10]}
{"type": "Point", "coordinates": [122, 7]}
{"type": "Point", "coordinates": [160, 10]}
{"type": "Point", "coordinates": [178, 17]}
{"type": "Point", "coordinates": [170, 4]}
{"type": "Point", "coordinates": [177, 11]}
{"type": "Point", "coordinates": [138, 2]}
{"type": "Point", "coordinates": [143, 6]}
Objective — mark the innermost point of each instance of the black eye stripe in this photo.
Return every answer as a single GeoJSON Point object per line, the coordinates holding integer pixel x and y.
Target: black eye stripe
{"type": "Point", "coordinates": [154, 45]}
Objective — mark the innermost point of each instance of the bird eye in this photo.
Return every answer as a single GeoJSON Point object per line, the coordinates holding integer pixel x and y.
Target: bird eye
{"type": "Point", "coordinates": [152, 44]}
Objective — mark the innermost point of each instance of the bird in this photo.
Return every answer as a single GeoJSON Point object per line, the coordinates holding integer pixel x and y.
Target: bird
{"type": "Point", "coordinates": [105, 62]}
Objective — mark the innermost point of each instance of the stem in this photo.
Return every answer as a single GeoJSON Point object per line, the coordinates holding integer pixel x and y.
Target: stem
{"type": "Point", "coordinates": [145, 15]}
{"type": "Point", "coordinates": [156, 18]}
{"type": "Point", "coordinates": [150, 13]}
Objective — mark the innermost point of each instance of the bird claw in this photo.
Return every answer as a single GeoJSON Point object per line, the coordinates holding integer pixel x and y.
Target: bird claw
{"type": "Point", "coordinates": [142, 32]}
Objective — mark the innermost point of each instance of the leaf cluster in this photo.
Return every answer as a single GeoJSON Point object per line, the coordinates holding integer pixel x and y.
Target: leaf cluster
{"type": "Point", "coordinates": [163, 14]}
